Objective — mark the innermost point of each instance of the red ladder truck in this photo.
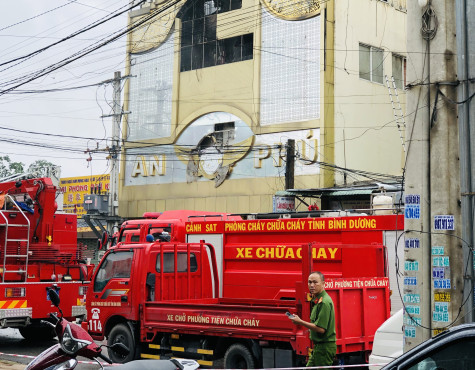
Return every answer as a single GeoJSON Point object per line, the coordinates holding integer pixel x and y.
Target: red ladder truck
{"type": "Point", "coordinates": [227, 297]}
{"type": "Point", "coordinates": [38, 248]}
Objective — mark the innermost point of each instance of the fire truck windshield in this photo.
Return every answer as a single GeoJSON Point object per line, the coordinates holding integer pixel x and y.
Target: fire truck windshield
{"type": "Point", "coordinates": [115, 265]}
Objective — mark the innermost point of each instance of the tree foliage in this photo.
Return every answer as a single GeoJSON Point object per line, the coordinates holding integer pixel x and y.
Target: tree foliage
{"type": "Point", "coordinates": [39, 163]}
{"type": "Point", "coordinates": [9, 168]}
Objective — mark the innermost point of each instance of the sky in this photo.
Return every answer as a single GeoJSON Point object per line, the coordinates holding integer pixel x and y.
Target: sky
{"type": "Point", "coordinates": [59, 126]}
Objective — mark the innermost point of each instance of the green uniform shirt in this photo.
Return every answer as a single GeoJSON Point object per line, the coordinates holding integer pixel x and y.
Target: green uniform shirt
{"type": "Point", "coordinates": [323, 315]}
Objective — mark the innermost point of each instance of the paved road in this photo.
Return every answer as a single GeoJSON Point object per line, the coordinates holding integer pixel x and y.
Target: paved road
{"type": "Point", "coordinates": [11, 342]}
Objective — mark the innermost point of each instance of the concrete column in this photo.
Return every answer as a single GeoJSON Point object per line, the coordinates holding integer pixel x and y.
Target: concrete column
{"type": "Point", "coordinates": [433, 264]}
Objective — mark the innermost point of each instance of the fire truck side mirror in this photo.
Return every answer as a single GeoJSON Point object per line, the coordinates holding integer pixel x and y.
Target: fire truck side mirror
{"type": "Point", "coordinates": [150, 280]}
{"type": "Point", "coordinates": [103, 240]}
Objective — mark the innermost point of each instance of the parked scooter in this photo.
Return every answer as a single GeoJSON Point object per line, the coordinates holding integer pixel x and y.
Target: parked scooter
{"type": "Point", "coordinates": [74, 341]}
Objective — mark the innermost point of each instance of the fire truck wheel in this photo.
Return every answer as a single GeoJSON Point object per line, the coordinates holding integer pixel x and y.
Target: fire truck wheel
{"type": "Point", "coordinates": [32, 332]}
{"type": "Point", "coordinates": [238, 356]}
{"type": "Point", "coordinates": [121, 333]}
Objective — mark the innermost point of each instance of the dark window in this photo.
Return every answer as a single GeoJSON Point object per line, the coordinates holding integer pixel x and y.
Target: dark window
{"type": "Point", "coordinates": [198, 9]}
{"type": "Point", "coordinates": [199, 19]}
{"type": "Point", "coordinates": [224, 133]}
{"type": "Point", "coordinates": [198, 31]}
{"type": "Point", "coordinates": [115, 265]}
{"type": "Point", "coordinates": [453, 356]}
{"type": "Point", "coordinates": [210, 28]}
{"type": "Point", "coordinates": [169, 262]}
{"type": "Point", "coordinates": [134, 238]}
{"type": "Point", "coordinates": [185, 59]}
{"type": "Point", "coordinates": [227, 5]}
{"type": "Point", "coordinates": [186, 12]}
{"type": "Point", "coordinates": [224, 6]}
{"type": "Point", "coordinates": [197, 56]}
{"type": "Point", "coordinates": [236, 4]}
{"type": "Point", "coordinates": [210, 54]}
{"type": "Point", "coordinates": [237, 48]}
{"type": "Point", "coordinates": [186, 33]}
{"type": "Point", "coordinates": [247, 46]}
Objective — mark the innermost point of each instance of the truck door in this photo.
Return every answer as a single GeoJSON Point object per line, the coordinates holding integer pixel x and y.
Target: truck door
{"type": "Point", "coordinates": [175, 273]}
{"type": "Point", "coordinates": [111, 289]}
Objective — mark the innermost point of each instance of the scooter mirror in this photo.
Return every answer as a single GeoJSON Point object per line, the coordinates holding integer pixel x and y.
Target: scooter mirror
{"type": "Point", "coordinates": [120, 348]}
{"type": "Point", "coordinates": [53, 296]}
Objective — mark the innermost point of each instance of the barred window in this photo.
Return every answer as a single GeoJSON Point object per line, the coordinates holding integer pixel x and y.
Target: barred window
{"type": "Point", "coordinates": [200, 47]}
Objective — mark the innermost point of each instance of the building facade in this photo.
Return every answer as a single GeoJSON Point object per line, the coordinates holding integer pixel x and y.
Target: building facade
{"type": "Point", "coordinates": [218, 87]}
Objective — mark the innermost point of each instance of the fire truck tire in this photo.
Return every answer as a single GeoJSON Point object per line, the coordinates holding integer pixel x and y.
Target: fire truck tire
{"type": "Point", "coordinates": [37, 333]}
{"type": "Point", "coordinates": [121, 333]}
{"type": "Point", "coordinates": [238, 356]}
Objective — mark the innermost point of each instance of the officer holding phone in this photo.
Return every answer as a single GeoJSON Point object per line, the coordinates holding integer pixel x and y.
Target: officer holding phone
{"type": "Point", "coordinates": [322, 322]}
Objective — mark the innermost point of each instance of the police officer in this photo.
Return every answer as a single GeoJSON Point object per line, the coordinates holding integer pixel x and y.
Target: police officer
{"type": "Point", "coordinates": [322, 322]}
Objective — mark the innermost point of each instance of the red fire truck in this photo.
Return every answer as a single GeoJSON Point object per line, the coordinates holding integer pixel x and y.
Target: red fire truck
{"type": "Point", "coordinates": [38, 248]}
{"type": "Point", "coordinates": [224, 292]}
{"type": "Point", "coordinates": [165, 226]}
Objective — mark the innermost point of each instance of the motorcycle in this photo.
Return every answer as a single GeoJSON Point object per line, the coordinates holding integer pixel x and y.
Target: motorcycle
{"type": "Point", "coordinates": [74, 341]}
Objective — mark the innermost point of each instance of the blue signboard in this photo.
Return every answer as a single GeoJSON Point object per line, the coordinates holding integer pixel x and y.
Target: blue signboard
{"type": "Point", "coordinates": [410, 281]}
{"type": "Point", "coordinates": [412, 243]}
{"type": "Point", "coordinates": [412, 206]}
{"type": "Point", "coordinates": [442, 284]}
{"type": "Point", "coordinates": [444, 222]}
{"type": "Point", "coordinates": [438, 272]}
{"type": "Point", "coordinates": [412, 211]}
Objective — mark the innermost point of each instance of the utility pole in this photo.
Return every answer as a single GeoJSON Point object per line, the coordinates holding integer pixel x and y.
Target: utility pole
{"type": "Point", "coordinates": [433, 262]}
{"type": "Point", "coordinates": [114, 154]}
{"type": "Point", "coordinates": [466, 70]}
{"type": "Point", "coordinates": [112, 218]}
{"type": "Point", "coordinates": [290, 164]}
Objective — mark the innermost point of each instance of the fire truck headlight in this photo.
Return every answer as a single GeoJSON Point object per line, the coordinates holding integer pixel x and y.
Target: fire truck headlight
{"type": "Point", "coordinates": [14, 292]}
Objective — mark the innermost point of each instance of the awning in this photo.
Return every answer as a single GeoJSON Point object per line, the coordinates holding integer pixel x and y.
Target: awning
{"type": "Point", "coordinates": [343, 191]}
{"type": "Point", "coordinates": [324, 192]}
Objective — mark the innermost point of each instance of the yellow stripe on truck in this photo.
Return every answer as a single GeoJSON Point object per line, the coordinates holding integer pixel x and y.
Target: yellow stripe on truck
{"type": "Point", "coordinates": [204, 351]}
{"type": "Point", "coordinates": [5, 305]}
{"type": "Point", "coordinates": [146, 355]}
{"type": "Point", "coordinates": [13, 304]}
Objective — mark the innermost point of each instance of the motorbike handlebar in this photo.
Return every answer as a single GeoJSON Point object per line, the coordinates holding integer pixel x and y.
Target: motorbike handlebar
{"type": "Point", "coordinates": [48, 323]}
{"type": "Point", "coordinates": [54, 316]}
